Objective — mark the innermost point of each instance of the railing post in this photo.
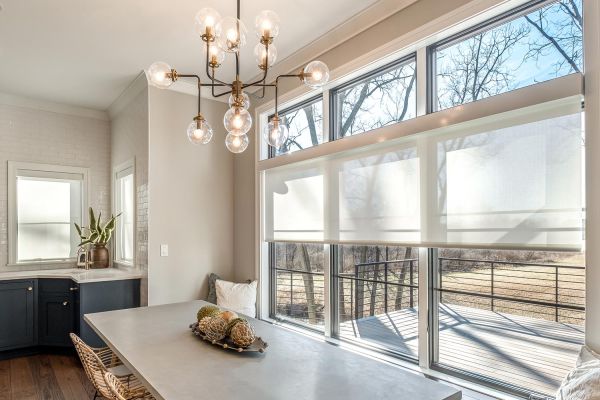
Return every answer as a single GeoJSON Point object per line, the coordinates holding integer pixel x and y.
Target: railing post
{"type": "Point", "coordinates": [356, 292]}
{"type": "Point", "coordinates": [492, 286]}
{"type": "Point", "coordinates": [385, 285]}
{"type": "Point", "coordinates": [440, 280]}
{"type": "Point", "coordinates": [291, 294]}
{"type": "Point", "coordinates": [411, 284]}
{"type": "Point", "coordinates": [556, 293]}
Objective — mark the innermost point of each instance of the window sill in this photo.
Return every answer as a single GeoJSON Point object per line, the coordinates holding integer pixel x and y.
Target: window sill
{"type": "Point", "coordinates": [128, 264]}
{"type": "Point", "coordinates": [45, 264]}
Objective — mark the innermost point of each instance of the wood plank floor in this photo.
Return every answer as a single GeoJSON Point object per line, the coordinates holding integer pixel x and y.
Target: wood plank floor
{"type": "Point", "coordinates": [44, 377]}
{"type": "Point", "coordinates": [531, 353]}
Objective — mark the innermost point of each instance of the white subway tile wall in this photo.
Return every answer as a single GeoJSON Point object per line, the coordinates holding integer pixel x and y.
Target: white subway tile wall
{"type": "Point", "coordinates": [30, 135]}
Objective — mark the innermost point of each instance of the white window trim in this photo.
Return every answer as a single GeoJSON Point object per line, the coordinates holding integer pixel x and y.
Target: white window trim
{"type": "Point", "coordinates": [117, 170]}
{"type": "Point", "coordinates": [13, 169]}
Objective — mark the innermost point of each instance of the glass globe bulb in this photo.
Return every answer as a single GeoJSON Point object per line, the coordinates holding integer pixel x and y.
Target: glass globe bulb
{"type": "Point", "coordinates": [237, 121]}
{"type": "Point", "coordinates": [245, 101]}
{"type": "Point", "coordinates": [199, 131]}
{"type": "Point", "coordinates": [232, 34]}
{"type": "Point", "coordinates": [316, 74]}
{"type": "Point", "coordinates": [215, 55]}
{"type": "Point", "coordinates": [276, 133]}
{"type": "Point", "coordinates": [159, 75]}
{"type": "Point", "coordinates": [207, 22]}
{"type": "Point", "coordinates": [236, 143]}
{"type": "Point", "coordinates": [267, 24]}
{"type": "Point", "coordinates": [260, 54]}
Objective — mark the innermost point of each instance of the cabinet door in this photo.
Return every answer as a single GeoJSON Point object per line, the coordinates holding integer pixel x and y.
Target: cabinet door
{"type": "Point", "coordinates": [17, 308]}
{"type": "Point", "coordinates": [55, 319]}
{"type": "Point", "coordinates": [105, 296]}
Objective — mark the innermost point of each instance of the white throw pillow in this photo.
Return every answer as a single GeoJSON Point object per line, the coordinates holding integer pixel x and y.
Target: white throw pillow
{"type": "Point", "coordinates": [238, 297]}
{"type": "Point", "coordinates": [583, 382]}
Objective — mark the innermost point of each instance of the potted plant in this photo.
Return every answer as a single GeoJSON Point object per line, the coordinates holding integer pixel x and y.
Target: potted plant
{"type": "Point", "coordinates": [98, 235]}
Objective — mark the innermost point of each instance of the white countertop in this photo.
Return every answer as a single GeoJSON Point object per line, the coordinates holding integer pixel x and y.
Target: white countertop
{"type": "Point", "coordinates": [77, 275]}
{"type": "Point", "coordinates": [159, 348]}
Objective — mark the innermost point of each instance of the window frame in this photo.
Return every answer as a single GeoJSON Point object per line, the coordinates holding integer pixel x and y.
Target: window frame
{"type": "Point", "coordinates": [126, 168]}
{"type": "Point", "coordinates": [44, 170]}
{"type": "Point", "coordinates": [294, 107]}
{"type": "Point", "coordinates": [465, 34]}
{"type": "Point", "coordinates": [333, 92]}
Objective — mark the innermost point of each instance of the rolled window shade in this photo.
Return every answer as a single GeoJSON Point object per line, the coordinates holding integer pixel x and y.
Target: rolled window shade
{"type": "Point", "coordinates": [507, 181]}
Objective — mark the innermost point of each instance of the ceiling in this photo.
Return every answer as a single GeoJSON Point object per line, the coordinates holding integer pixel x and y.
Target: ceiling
{"type": "Point", "coordinates": [85, 53]}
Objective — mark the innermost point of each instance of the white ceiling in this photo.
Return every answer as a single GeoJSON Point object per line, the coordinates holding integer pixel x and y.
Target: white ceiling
{"type": "Point", "coordinates": [85, 53]}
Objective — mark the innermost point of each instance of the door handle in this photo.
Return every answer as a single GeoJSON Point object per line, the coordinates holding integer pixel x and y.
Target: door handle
{"type": "Point", "coordinates": [65, 303]}
{"type": "Point", "coordinates": [30, 288]}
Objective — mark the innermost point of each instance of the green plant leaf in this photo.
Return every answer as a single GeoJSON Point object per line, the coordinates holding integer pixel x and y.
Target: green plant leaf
{"type": "Point", "coordinates": [84, 242]}
{"type": "Point", "coordinates": [98, 221]}
{"type": "Point", "coordinates": [77, 228]}
{"type": "Point", "coordinates": [93, 237]}
{"type": "Point", "coordinates": [92, 219]}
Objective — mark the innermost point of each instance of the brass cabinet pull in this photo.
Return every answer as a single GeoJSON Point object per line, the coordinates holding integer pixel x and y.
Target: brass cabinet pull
{"type": "Point", "coordinates": [30, 288]}
{"type": "Point", "coordinates": [72, 289]}
{"type": "Point", "coordinates": [65, 303]}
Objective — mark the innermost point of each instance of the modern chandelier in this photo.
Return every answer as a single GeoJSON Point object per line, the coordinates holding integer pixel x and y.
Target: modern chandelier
{"type": "Point", "coordinates": [228, 35]}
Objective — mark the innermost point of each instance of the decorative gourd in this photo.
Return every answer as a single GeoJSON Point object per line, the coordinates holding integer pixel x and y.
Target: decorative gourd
{"type": "Point", "coordinates": [216, 329]}
{"type": "Point", "coordinates": [203, 324]}
{"type": "Point", "coordinates": [228, 316]}
{"type": "Point", "coordinates": [207, 311]}
{"type": "Point", "coordinates": [232, 323]}
{"type": "Point", "coordinates": [242, 334]}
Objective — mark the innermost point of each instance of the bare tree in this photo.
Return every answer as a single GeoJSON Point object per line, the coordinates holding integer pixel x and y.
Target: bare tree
{"type": "Point", "coordinates": [561, 28]}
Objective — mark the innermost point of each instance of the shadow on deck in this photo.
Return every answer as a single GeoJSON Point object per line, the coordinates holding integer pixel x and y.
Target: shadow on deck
{"type": "Point", "coordinates": [531, 353]}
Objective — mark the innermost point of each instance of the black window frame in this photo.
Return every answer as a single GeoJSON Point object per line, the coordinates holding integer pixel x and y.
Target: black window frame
{"type": "Point", "coordinates": [487, 25]}
{"type": "Point", "coordinates": [333, 108]}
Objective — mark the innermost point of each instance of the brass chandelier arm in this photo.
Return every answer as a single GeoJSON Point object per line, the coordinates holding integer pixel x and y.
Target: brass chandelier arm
{"type": "Point", "coordinates": [265, 70]}
{"type": "Point", "coordinates": [212, 78]}
{"type": "Point", "coordinates": [200, 83]}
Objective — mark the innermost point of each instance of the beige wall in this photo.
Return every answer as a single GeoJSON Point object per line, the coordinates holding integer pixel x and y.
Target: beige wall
{"type": "Point", "coordinates": [406, 20]}
{"type": "Point", "coordinates": [190, 200]}
{"type": "Point", "coordinates": [129, 129]}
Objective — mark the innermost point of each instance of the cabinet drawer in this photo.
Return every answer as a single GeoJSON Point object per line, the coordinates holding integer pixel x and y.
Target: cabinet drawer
{"type": "Point", "coordinates": [56, 285]}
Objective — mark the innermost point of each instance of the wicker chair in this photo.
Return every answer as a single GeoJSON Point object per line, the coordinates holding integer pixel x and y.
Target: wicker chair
{"type": "Point", "coordinates": [121, 391]}
{"type": "Point", "coordinates": [96, 362]}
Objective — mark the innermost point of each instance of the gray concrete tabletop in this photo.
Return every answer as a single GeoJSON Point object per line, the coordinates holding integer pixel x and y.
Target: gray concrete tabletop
{"type": "Point", "coordinates": [158, 346]}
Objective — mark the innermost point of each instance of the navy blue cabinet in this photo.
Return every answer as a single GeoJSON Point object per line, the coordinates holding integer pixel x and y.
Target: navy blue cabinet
{"type": "Point", "coordinates": [56, 311]}
{"type": "Point", "coordinates": [44, 311]}
{"type": "Point", "coordinates": [105, 296]}
{"type": "Point", "coordinates": [17, 314]}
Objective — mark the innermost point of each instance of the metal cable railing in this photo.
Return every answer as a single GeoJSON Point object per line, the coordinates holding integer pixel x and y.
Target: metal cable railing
{"type": "Point", "coordinates": [371, 287]}
{"type": "Point", "coordinates": [521, 288]}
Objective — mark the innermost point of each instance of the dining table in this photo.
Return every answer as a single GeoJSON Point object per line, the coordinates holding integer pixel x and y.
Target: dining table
{"type": "Point", "coordinates": [159, 348]}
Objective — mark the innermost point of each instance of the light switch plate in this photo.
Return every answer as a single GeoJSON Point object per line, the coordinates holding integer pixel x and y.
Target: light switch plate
{"type": "Point", "coordinates": [164, 250]}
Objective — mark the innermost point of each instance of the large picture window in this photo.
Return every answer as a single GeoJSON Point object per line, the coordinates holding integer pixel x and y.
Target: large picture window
{"type": "Point", "coordinates": [454, 235]}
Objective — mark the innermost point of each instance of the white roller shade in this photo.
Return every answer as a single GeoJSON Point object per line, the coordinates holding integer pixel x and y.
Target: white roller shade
{"type": "Point", "coordinates": [510, 180]}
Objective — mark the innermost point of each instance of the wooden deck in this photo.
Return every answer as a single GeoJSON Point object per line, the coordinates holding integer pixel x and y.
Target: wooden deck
{"type": "Point", "coordinates": [530, 353]}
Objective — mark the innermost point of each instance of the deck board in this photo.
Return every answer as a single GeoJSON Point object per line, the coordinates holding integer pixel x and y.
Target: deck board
{"type": "Point", "coordinates": [532, 353]}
